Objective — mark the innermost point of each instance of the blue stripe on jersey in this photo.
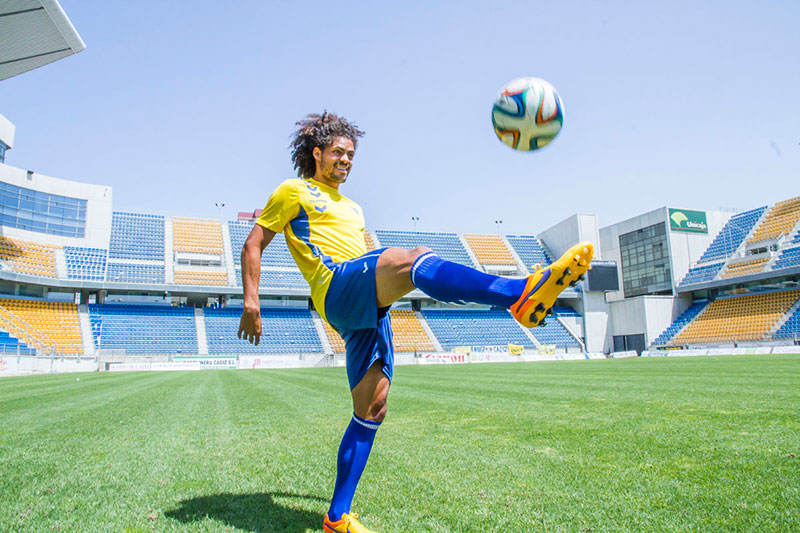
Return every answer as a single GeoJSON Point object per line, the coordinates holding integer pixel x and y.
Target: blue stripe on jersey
{"type": "Point", "coordinates": [302, 229]}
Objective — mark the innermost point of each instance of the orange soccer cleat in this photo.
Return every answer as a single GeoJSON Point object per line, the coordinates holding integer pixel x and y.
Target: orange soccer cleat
{"type": "Point", "coordinates": [546, 284]}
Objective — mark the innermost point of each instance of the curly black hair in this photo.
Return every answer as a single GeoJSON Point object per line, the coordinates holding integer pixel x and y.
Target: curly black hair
{"type": "Point", "coordinates": [318, 131]}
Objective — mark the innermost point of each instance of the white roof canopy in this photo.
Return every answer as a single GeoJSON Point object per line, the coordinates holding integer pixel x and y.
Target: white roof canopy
{"type": "Point", "coordinates": [34, 33]}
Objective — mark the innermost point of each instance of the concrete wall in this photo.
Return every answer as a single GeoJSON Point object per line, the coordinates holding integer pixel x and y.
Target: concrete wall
{"type": "Point", "coordinates": [557, 239]}
{"type": "Point", "coordinates": [595, 322]}
{"type": "Point", "coordinates": [98, 207]}
{"type": "Point", "coordinates": [578, 227]}
{"type": "Point", "coordinates": [648, 315]}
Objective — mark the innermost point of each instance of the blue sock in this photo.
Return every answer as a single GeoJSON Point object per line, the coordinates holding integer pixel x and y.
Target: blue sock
{"type": "Point", "coordinates": [450, 282]}
{"type": "Point", "coordinates": [353, 454]}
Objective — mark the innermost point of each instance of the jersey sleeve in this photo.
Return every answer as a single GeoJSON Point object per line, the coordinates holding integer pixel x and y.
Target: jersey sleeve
{"type": "Point", "coordinates": [281, 207]}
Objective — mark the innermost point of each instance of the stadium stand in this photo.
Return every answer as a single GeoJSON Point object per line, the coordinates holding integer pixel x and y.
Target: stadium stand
{"type": "Point", "coordinates": [198, 277]}
{"type": "Point", "coordinates": [489, 249]}
{"type": "Point", "coordinates": [285, 330]}
{"type": "Point", "coordinates": [474, 327]}
{"type": "Point", "coordinates": [565, 311]}
{"type": "Point", "coordinates": [796, 238]}
{"type": "Point", "coordinates": [135, 273]}
{"type": "Point", "coordinates": [791, 328]}
{"type": "Point", "coordinates": [57, 320]}
{"type": "Point", "coordinates": [553, 332]}
{"type": "Point", "coordinates": [25, 257]}
{"type": "Point", "coordinates": [85, 263]}
{"type": "Point", "coordinates": [276, 254]}
{"type": "Point", "coordinates": [737, 318]}
{"type": "Point", "coordinates": [446, 245]}
{"type": "Point", "coordinates": [197, 236]}
{"type": "Point", "coordinates": [790, 257]}
{"type": "Point", "coordinates": [136, 236]}
{"type": "Point", "coordinates": [698, 274]}
{"type": "Point", "coordinates": [408, 334]}
{"type": "Point", "coordinates": [745, 267]}
{"type": "Point", "coordinates": [143, 329]}
{"type": "Point", "coordinates": [277, 279]}
{"type": "Point", "coordinates": [529, 249]}
{"type": "Point", "coordinates": [12, 345]}
{"type": "Point", "coordinates": [336, 340]}
{"type": "Point", "coordinates": [687, 316]}
{"type": "Point", "coordinates": [732, 234]}
{"type": "Point", "coordinates": [368, 241]}
{"type": "Point", "coordinates": [779, 221]}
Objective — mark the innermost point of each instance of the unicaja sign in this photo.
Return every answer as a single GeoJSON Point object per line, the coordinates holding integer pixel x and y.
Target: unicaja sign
{"type": "Point", "coordinates": [687, 221]}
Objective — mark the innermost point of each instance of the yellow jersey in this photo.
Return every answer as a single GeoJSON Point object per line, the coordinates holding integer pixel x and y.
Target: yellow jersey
{"type": "Point", "coordinates": [321, 227]}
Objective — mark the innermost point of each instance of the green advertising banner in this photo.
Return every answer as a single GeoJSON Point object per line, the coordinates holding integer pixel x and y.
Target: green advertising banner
{"type": "Point", "coordinates": [688, 221]}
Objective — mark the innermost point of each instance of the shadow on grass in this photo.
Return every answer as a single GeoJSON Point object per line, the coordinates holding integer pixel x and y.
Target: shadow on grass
{"type": "Point", "coordinates": [251, 512]}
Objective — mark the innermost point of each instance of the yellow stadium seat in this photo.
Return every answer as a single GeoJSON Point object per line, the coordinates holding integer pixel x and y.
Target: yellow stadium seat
{"type": "Point", "coordinates": [744, 318]}
{"type": "Point", "coordinates": [197, 235]}
{"type": "Point", "coordinates": [407, 332]}
{"type": "Point", "coordinates": [779, 221]}
{"type": "Point", "coordinates": [489, 249]}
{"type": "Point", "coordinates": [57, 320]}
{"type": "Point", "coordinates": [196, 277]}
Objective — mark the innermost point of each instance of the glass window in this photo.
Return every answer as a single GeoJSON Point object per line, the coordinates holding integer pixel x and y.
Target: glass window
{"type": "Point", "coordinates": [40, 211]}
{"type": "Point", "coordinates": [646, 270]}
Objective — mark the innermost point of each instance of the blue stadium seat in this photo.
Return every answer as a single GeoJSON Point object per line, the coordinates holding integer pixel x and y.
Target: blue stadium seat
{"type": "Point", "coordinates": [475, 327]}
{"type": "Point", "coordinates": [687, 316]}
{"type": "Point", "coordinates": [790, 328]}
{"type": "Point", "coordinates": [275, 255]}
{"type": "Point", "coordinates": [146, 329]}
{"type": "Point", "coordinates": [732, 234]}
{"type": "Point", "coordinates": [565, 311]}
{"type": "Point", "coordinates": [553, 332]}
{"type": "Point", "coordinates": [285, 330]}
{"type": "Point", "coordinates": [277, 279]}
{"type": "Point", "coordinates": [530, 250]}
{"type": "Point", "coordinates": [10, 345]}
{"type": "Point", "coordinates": [790, 257]}
{"type": "Point", "coordinates": [85, 263]}
{"type": "Point", "coordinates": [135, 273]}
{"type": "Point", "coordinates": [136, 236]}
{"type": "Point", "coordinates": [446, 245]}
{"type": "Point", "coordinates": [698, 274]}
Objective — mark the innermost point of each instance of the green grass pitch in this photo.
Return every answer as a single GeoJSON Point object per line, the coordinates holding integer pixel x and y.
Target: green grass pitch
{"type": "Point", "coordinates": [665, 444]}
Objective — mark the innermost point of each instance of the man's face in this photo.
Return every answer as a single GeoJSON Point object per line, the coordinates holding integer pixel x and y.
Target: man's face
{"type": "Point", "coordinates": [335, 161]}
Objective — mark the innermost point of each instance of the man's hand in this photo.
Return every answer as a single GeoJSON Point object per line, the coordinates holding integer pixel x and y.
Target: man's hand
{"type": "Point", "coordinates": [250, 325]}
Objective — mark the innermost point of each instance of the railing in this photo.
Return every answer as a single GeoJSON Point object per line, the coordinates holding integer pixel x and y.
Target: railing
{"type": "Point", "coordinates": [27, 333]}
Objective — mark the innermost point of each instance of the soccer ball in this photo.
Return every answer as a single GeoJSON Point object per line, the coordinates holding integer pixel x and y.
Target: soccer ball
{"type": "Point", "coordinates": [527, 114]}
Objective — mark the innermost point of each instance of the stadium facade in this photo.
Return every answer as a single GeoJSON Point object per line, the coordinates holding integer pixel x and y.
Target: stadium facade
{"type": "Point", "coordinates": [79, 279]}
{"type": "Point", "coordinates": [83, 286]}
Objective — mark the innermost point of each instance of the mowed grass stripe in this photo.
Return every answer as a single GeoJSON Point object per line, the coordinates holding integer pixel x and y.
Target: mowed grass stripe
{"type": "Point", "coordinates": [642, 444]}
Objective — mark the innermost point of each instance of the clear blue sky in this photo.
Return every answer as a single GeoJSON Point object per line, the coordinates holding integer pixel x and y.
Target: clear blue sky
{"type": "Point", "coordinates": [178, 105]}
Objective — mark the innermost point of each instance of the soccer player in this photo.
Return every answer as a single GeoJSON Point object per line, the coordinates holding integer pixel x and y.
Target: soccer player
{"type": "Point", "coordinates": [352, 289]}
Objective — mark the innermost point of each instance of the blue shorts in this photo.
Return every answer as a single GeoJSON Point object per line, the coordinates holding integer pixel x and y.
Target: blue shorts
{"type": "Point", "coordinates": [351, 307]}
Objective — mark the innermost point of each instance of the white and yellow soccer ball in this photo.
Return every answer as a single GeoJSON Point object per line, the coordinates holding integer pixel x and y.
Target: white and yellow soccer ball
{"type": "Point", "coordinates": [527, 114]}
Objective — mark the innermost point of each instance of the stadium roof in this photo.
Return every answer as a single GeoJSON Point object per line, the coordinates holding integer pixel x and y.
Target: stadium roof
{"type": "Point", "coordinates": [34, 33]}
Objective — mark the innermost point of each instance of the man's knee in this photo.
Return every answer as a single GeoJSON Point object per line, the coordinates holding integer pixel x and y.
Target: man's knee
{"type": "Point", "coordinates": [414, 253]}
{"type": "Point", "coordinates": [399, 259]}
{"type": "Point", "coordinates": [377, 409]}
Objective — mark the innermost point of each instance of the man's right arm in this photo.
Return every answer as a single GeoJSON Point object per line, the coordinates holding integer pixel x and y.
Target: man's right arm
{"type": "Point", "coordinates": [250, 324]}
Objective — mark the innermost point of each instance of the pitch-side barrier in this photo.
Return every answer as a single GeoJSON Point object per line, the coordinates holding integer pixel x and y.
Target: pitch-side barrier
{"type": "Point", "coordinates": [21, 365]}
{"type": "Point", "coordinates": [750, 350]}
